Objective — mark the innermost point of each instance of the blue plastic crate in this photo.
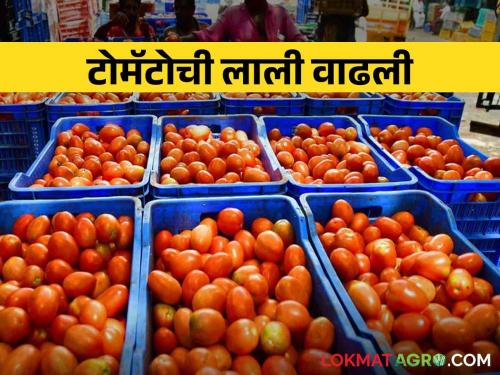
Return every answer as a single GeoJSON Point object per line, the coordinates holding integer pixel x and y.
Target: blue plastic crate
{"type": "Point", "coordinates": [281, 107]}
{"type": "Point", "coordinates": [169, 7]}
{"type": "Point", "coordinates": [451, 109]}
{"type": "Point", "coordinates": [446, 94]}
{"type": "Point", "coordinates": [399, 177]}
{"type": "Point", "coordinates": [366, 104]}
{"type": "Point", "coordinates": [247, 123]}
{"type": "Point", "coordinates": [20, 184]}
{"type": "Point", "coordinates": [26, 29]}
{"type": "Point", "coordinates": [41, 27]}
{"type": "Point", "coordinates": [179, 214]}
{"type": "Point", "coordinates": [10, 211]}
{"type": "Point", "coordinates": [21, 6]}
{"type": "Point", "coordinates": [160, 22]}
{"type": "Point", "coordinates": [22, 136]}
{"type": "Point", "coordinates": [179, 107]}
{"type": "Point", "coordinates": [428, 211]}
{"type": "Point", "coordinates": [479, 221]}
{"type": "Point", "coordinates": [302, 9]}
{"type": "Point", "coordinates": [56, 111]}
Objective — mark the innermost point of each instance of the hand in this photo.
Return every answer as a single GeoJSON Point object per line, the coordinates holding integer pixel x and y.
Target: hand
{"type": "Point", "coordinates": [172, 37]}
{"type": "Point", "coordinates": [120, 19]}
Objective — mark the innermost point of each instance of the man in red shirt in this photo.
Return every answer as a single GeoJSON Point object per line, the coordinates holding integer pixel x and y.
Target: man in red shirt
{"type": "Point", "coordinates": [252, 21]}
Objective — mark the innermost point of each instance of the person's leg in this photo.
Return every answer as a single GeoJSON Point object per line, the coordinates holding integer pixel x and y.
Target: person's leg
{"type": "Point", "coordinates": [328, 29]}
{"type": "Point", "coordinates": [346, 29]}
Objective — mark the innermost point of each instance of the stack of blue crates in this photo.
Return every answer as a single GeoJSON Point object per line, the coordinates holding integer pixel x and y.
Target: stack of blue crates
{"type": "Point", "coordinates": [22, 138]}
{"type": "Point", "coordinates": [30, 26]}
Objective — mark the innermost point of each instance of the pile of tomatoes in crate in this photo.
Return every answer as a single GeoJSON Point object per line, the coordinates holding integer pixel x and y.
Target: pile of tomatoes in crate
{"type": "Point", "coordinates": [94, 97]}
{"type": "Point", "coordinates": [233, 300]}
{"type": "Point", "coordinates": [23, 97]}
{"type": "Point", "coordinates": [257, 95]}
{"type": "Point", "coordinates": [326, 155]}
{"type": "Point", "coordinates": [85, 158]}
{"type": "Point", "coordinates": [174, 96]}
{"type": "Point", "coordinates": [64, 293]}
{"type": "Point", "coordinates": [417, 96]}
{"type": "Point", "coordinates": [443, 159]}
{"type": "Point", "coordinates": [334, 95]}
{"type": "Point", "coordinates": [193, 155]}
{"type": "Point", "coordinates": [411, 286]}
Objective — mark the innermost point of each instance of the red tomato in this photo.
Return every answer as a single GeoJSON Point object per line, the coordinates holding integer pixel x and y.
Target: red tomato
{"type": "Point", "coordinates": [405, 296]}
{"type": "Point", "coordinates": [434, 265]}
{"type": "Point", "coordinates": [459, 284]}
{"type": "Point", "coordinates": [164, 287]}
{"type": "Point", "coordinates": [345, 264]}
{"type": "Point", "coordinates": [58, 360]}
{"type": "Point", "coordinates": [14, 325]}
{"type": "Point", "coordinates": [24, 359]}
{"type": "Point", "coordinates": [63, 246]}
{"type": "Point", "coordinates": [452, 333]}
{"type": "Point", "coordinates": [365, 299]}
{"type": "Point", "coordinates": [119, 269]}
{"type": "Point", "coordinates": [230, 221]}
{"type": "Point", "coordinates": [113, 338]}
{"type": "Point", "coordinates": [107, 228]}
{"type": "Point", "coordinates": [411, 326]}
{"type": "Point", "coordinates": [84, 341]}
{"type": "Point", "coordinates": [389, 227]}
{"type": "Point", "coordinates": [382, 254]}
{"type": "Point", "coordinates": [43, 305]}
{"type": "Point", "coordinates": [79, 283]}
{"type": "Point", "coordinates": [114, 299]}
{"type": "Point", "coordinates": [471, 262]}
{"type": "Point", "coordinates": [218, 265]}
{"type": "Point", "coordinates": [239, 304]}
{"type": "Point", "coordinates": [59, 326]}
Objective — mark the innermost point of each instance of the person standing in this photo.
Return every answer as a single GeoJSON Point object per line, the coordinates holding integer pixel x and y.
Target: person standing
{"type": "Point", "coordinates": [418, 14]}
{"type": "Point", "coordinates": [127, 23]}
{"type": "Point", "coordinates": [252, 21]}
{"type": "Point", "coordinates": [185, 22]}
{"type": "Point", "coordinates": [341, 27]}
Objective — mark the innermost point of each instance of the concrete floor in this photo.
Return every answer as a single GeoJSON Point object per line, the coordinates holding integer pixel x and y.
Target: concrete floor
{"type": "Point", "coordinates": [418, 35]}
{"type": "Point", "coordinates": [490, 145]}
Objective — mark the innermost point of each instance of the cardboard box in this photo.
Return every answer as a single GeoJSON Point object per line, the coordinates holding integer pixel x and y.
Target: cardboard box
{"type": "Point", "coordinates": [445, 34]}
{"type": "Point", "coordinates": [490, 27]}
{"type": "Point", "coordinates": [459, 36]}
{"type": "Point", "coordinates": [488, 37]}
{"type": "Point", "coordinates": [470, 38]}
{"type": "Point", "coordinates": [466, 26]}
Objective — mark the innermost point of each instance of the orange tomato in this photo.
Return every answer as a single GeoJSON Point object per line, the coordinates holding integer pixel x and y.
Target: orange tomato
{"type": "Point", "coordinates": [242, 337]}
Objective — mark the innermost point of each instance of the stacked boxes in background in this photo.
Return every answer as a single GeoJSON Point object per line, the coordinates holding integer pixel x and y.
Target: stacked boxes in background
{"type": "Point", "coordinates": [451, 24]}
{"type": "Point", "coordinates": [489, 26]}
{"type": "Point", "coordinates": [485, 28]}
{"type": "Point", "coordinates": [25, 24]}
{"type": "Point", "coordinates": [77, 18]}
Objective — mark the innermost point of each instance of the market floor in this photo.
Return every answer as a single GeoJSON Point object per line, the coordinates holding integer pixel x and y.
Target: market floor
{"type": "Point", "coordinates": [419, 35]}
{"type": "Point", "coordinates": [489, 144]}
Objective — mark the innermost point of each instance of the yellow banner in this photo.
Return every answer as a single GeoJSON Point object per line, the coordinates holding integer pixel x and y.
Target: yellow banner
{"type": "Point", "coordinates": [454, 67]}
